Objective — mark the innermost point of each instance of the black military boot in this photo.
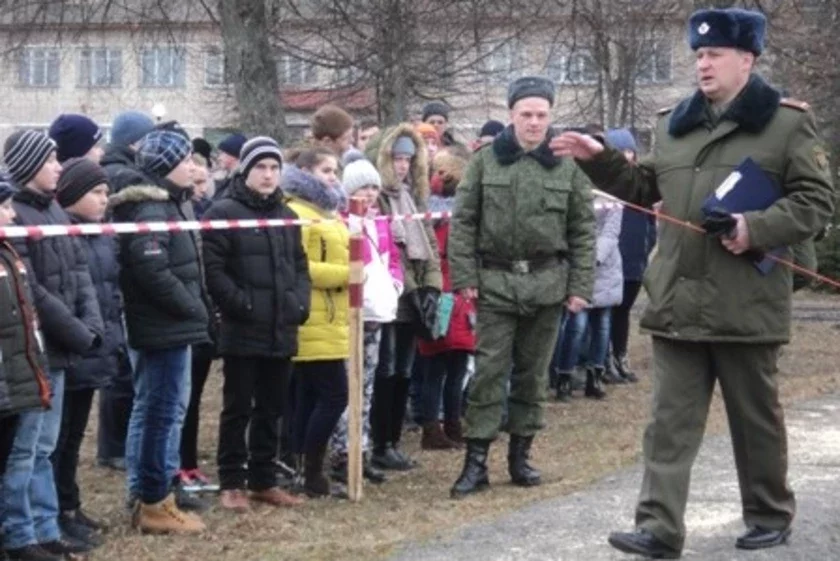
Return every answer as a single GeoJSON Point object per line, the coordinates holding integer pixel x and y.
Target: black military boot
{"type": "Point", "coordinates": [564, 387]}
{"type": "Point", "coordinates": [593, 384]}
{"type": "Point", "coordinates": [473, 477]}
{"type": "Point", "coordinates": [520, 472]}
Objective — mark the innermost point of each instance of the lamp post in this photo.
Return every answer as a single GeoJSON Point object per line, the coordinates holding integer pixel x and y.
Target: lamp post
{"type": "Point", "coordinates": [158, 111]}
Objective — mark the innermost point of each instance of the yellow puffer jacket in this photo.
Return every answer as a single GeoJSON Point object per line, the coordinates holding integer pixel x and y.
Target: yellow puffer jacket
{"type": "Point", "coordinates": [326, 335]}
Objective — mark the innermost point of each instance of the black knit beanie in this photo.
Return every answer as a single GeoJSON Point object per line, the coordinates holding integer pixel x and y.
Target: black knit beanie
{"type": "Point", "coordinates": [78, 176]}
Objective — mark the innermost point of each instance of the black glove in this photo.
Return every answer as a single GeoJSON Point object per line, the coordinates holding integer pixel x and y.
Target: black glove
{"type": "Point", "coordinates": [425, 301]}
{"type": "Point", "coordinates": [719, 223]}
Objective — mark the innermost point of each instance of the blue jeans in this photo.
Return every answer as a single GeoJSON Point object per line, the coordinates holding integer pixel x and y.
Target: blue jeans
{"type": "Point", "coordinates": [444, 375]}
{"type": "Point", "coordinates": [29, 496]}
{"type": "Point", "coordinates": [584, 335]}
{"type": "Point", "coordinates": [156, 372]}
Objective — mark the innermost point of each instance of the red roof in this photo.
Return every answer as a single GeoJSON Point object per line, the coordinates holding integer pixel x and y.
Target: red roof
{"type": "Point", "coordinates": [352, 99]}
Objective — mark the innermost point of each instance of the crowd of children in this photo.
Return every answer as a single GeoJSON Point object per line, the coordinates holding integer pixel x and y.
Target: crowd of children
{"type": "Point", "coordinates": [142, 317]}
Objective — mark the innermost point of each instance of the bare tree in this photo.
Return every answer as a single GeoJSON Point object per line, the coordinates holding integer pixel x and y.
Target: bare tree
{"type": "Point", "coordinates": [615, 57]}
{"type": "Point", "coordinates": [404, 49]}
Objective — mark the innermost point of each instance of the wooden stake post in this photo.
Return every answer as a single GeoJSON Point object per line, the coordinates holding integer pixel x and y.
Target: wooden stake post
{"type": "Point", "coordinates": [356, 371]}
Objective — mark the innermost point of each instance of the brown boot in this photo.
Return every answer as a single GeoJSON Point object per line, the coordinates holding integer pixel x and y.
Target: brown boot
{"type": "Point", "coordinates": [235, 500]}
{"type": "Point", "coordinates": [276, 496]}
{"type": "Point", "coordinates": [454, 432]}
{"type": "Point", "coordinates": [435, 439]}
{"type": "Point", "coordinates": [164, 518]}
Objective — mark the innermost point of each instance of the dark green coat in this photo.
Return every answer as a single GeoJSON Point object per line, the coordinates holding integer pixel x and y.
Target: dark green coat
{"type": "Point", "coordinates": [698, 290]}
{"type": "Point", "coordinates": [23, 359]}
{"type": "Point", "coordinates": [516, 206]}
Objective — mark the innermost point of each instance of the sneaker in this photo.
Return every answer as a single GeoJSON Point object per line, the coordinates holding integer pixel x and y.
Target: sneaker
{"type": "Point", "coordinates": [72, 528]}
{"type": "Point", "coordinates": [200, 483]}
{"type": "Point", "coordinates": [184, 477]}
{"type": "Point", "coordinates": [165, 517]}
{"type": "Point", "coordinates": [67, 548]}
{"type": "Point", "coordinates": [32, 552]}
{"type": "Point", "coordinates": [188, 501]}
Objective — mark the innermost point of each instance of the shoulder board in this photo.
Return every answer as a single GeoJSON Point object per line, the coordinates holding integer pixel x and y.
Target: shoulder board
{"type": "Point", "coordinates": [664, 111]}
{"type": "Point", "coordinates": [794, 104]}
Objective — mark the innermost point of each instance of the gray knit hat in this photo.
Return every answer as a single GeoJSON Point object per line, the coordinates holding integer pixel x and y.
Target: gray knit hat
{"type": "Point", "coordinates": [25, 153]}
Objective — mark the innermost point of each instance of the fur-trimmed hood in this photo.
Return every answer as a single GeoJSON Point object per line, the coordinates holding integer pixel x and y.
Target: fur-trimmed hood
{"type": "Point", "coordinates": [419, 171]}
{"type": "Point", "coordinates": [751, 110]}
{"type": "Point", "coordinates": [304, 186]}
{"type": "Point", "coordinates": [138, 194]}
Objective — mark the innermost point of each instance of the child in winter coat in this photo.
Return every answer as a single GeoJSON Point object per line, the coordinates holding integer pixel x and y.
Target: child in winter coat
{"type": "Point", "coordinates": [447, 355]}
{"type": "Point", "coordinates": [67, 306]}
{"type": "Point", "coordinates": [166, 310]}
{"type": "Point", "coordinates": [83, 193]}
{"type": "Point", "coordinates": [24, 386]}
{"type": "Point", "coordinates": [320, 373]}
{"type": "Point", "coordinates": [402, 162]}
{"type": "Point", "coordinates": [595, 320]}
{"type": "Point", "coordinates": [202, 358]}
{"type": "Point", "coordinates": [383, 286]}
{"type": "Point", "coordinates": [260, 282]}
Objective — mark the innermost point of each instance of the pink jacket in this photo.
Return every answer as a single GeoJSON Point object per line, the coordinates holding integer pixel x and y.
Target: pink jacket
{"type": "Point", "coordinates": [388, 250]}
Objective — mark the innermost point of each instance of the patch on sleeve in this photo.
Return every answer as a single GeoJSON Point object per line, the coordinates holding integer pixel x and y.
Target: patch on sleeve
{"type": "Point", "coordinates": [794, 104]}
{"type": "Point", "coordinates": [820, 157]}
{"type": "Point", "coordinates": [152, 248]}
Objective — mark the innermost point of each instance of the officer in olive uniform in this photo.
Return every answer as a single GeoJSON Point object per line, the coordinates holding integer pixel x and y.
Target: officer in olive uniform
{"type": "Point", "coordinates": [713, 316]}
{"type": "Point", "coordinates": [521, 244]}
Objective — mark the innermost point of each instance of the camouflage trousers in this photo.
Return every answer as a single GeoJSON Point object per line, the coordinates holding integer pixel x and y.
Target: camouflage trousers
{"type": "Point", "coordinates": [338, 440]}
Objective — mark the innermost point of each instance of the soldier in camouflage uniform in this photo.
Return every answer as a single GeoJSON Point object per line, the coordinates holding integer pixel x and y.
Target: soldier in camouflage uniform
{"type": "Point", "coordinates": [713, 316]}
{"type": "Point", "coordinates": [521, 244]}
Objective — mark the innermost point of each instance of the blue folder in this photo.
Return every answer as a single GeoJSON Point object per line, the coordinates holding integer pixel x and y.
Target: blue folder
{"type": "Point", "coordinates": [748, 188]}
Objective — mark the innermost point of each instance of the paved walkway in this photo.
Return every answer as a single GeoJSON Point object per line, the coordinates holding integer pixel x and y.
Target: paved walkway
{"type": "Point", "coordinates": [575, 527]}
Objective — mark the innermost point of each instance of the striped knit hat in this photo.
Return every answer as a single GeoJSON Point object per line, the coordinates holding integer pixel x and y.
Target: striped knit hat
{"type": "Point", "coordinates": [25, 153]}
{"type": "Point", "coordinates": [161, 151]}
{"type": "Point", "coordinates": [256, 149]}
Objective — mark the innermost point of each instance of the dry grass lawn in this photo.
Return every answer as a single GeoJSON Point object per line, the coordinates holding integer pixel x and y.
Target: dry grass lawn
{"type": "Point", "coordinates": [583, 442]}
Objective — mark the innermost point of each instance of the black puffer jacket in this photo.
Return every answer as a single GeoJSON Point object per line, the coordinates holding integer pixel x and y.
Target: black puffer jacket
{"type": "Point", "coordinates": [119, 166]}
{"type": "Point", "coordinates": [259, 278]}
{"type": "Point", "coordinates": [101, 365]}
{"type": "Point", "coordinates": [160, 272]}
{"type": "Point", "coordinates": [63, 293]}
{"type": "Point", "coordinates": [23, 383]}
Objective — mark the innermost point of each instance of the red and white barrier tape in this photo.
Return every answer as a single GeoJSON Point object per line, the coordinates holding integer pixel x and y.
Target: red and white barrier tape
{"type": "Point", "coordinates": [116, 228]}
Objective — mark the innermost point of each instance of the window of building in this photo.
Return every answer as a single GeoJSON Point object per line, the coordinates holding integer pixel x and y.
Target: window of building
{"type": "Point", "coordinates": [502, 62]}
{"type": "Point", "coordinates": [163, 67]}
{"type": "Point", "coordinates": [577, 67]}
{"type": "Point", "coordinates": [100, 68]}
{"type": "Point", "coordinates": [215, 71]}
{"type": "Point", "coordinates": [296, 72]}
{"type": "Point", "coordinates": [39, 67]}
{"type": "Point", "coordinates": [655, 60]}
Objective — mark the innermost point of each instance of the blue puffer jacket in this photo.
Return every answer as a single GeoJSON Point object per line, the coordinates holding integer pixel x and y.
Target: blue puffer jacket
{"type": "Point", "coordinates": [637, 238]}
{"type": "Point", "coordinates": [100, 366]}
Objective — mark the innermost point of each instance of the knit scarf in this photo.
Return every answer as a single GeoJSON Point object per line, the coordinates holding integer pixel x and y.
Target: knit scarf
{"type": "Point", "coordinates": [409, 233]}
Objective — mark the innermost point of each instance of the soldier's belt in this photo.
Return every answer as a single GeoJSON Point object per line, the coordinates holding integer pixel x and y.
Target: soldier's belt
{"type": "Point", "coordinates": [521, 266]}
